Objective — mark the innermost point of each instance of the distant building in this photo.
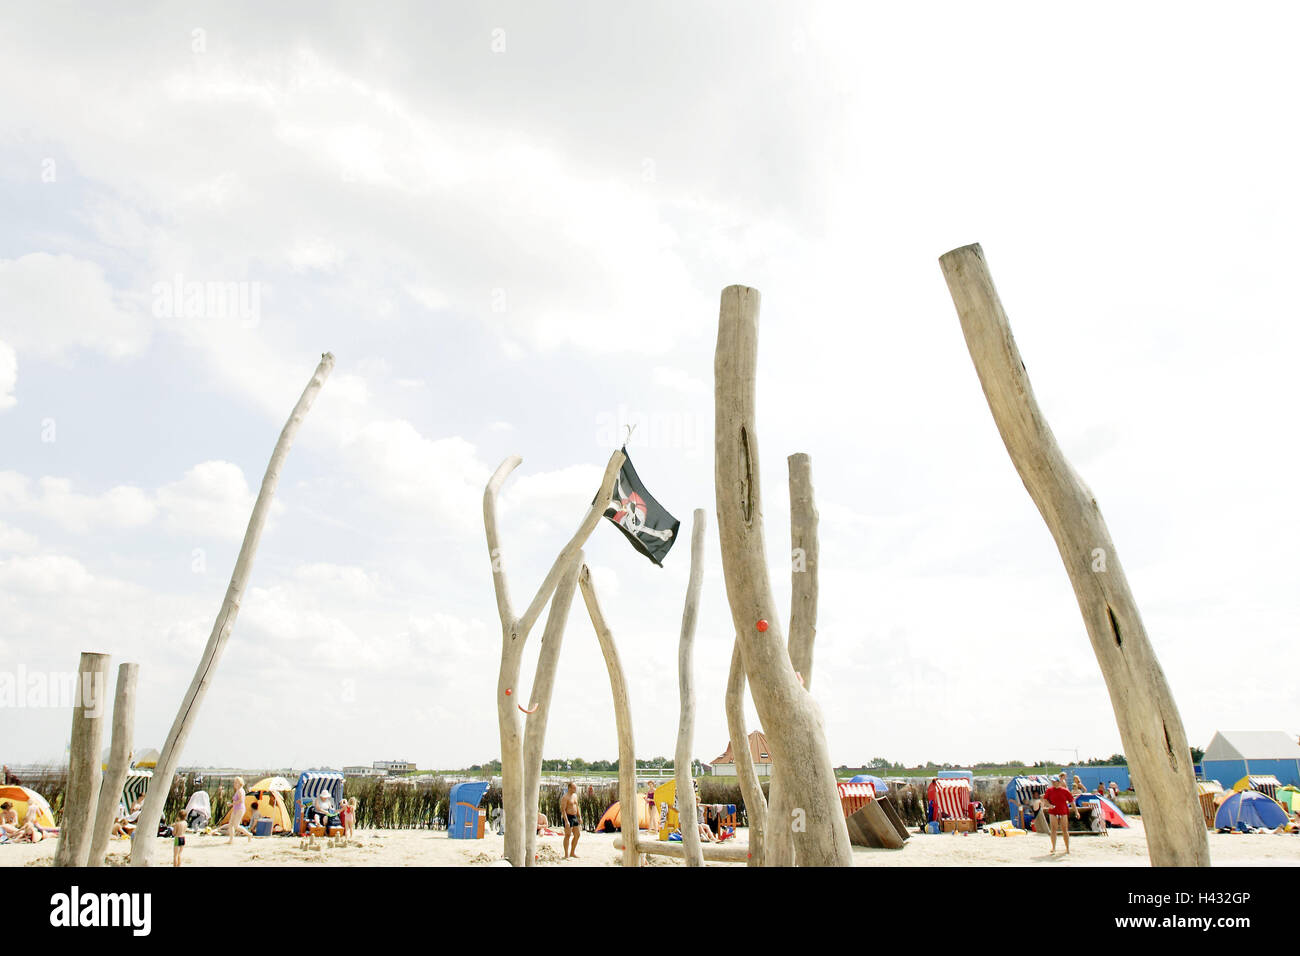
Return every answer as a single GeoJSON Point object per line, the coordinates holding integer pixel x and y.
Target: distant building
{"type": "Point", "coordinates": [394, 766]}
{"type": "Point", "coordinates": [362, 772]}
{"type": "Point", "coordinates": [725, 766]}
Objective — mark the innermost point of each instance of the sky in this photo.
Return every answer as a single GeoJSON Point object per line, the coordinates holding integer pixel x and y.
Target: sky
{"type": "Point", "coordinates": [510, 223]}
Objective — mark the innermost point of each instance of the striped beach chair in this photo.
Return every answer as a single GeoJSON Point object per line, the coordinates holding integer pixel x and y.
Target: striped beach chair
{"type": "Point", "coordinates": [949, 799]}
{"type": "Point", "coordinates": [137, 784]}
{"type": "Point", "coordinates": [853, 796]}
{"type": "Point", "coordinates": [311, 783]}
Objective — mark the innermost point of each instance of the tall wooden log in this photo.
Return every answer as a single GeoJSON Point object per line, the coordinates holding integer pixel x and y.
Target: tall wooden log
{"type": "Point", "coordinates": [1149, 724]}
{"type": "Point", "coordinates": [119, 762]}
{"type": "Point", "coordinates": [622, 718]}
{"type": "Point", "coordinates": [539, 702]}
{"type": "Point", "coordinates": [144, 838]}
{"type": "Point", "coordinates": [791, 718]}
{"type": "Point", "coordinates": [750, 788]}
{"type": "Point", "coordinates": [514, 634]}
{"type": "Point", "coordinates": [686, 812]}
{"type": "Point", "coordinates": [84, 774]}
{"type": "Point", "coordinates": [804, 557]}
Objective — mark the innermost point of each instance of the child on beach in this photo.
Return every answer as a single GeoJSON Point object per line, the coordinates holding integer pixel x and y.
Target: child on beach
{"type": "Point", "coordinates": [178, 841]}
{"type": "Point", "coordinates": [346, 816]}
{"type": "Point", "coordinates": [253, 816]}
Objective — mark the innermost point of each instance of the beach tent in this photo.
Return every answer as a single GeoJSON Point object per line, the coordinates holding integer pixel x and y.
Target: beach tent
{"type": "Point", "coordinates": [1252, 808]}
{"type": "Point", "coordinates": [882, 788]}
{"type": "Point", "coordinates": [1233, 754]}
{"type": "Point", "coordinates": [1289, 797]}
{"type": "Point", "coordinates": [1022, 791]}
{"type": "Point", "coordinates": [1264, 783]}
{"type": "Point", "coordinates": [1113, 815]}
{"type": "Point", "coordinates": [270, 803]}
{"type": "Point", "coordinates": [613, 818]}
{"type": "Point", "coordinates": [21, 798]}
{"type": "Point", "coordinates": [148, 758]}
{"type": "Point", "coordinates": [310, 784]}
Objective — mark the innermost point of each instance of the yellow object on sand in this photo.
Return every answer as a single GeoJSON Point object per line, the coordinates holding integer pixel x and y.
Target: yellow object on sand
{"type": "Point", "coordinates": [21, 797]}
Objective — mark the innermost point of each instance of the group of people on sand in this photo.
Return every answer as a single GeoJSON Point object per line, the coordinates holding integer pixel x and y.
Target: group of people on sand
{"type": "Point", "coordinates": [28, 831]}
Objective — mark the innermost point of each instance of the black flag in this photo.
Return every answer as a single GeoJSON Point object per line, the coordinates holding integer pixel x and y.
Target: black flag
{"type": "Point", "coordinates": [650, 528]}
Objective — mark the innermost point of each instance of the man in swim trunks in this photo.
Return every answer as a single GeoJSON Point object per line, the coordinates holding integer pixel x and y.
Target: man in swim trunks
{"type": "Point", "coordinates": [1060, 802]}
{"type": "Point", "coordinates": [572, 819]}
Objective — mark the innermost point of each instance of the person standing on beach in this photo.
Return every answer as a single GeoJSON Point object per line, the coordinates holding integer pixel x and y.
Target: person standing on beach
{"type": "Point", "coordinates": [178, 841]}
{"type": "Point", "coordinates": [237, 813]}
{"type": "Point", "coordinates": [572, 820]}
{"type": "Point", "coordinates": [1060, 802]}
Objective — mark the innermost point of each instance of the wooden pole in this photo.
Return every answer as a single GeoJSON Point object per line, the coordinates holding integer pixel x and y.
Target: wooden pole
{"type": "Point", "coordinates": [791, 718]}
{"type": "Point", "coordinates": [628, 810]}
{"type": "Point", "coordinates": [539, 703]}
{"type": "Point", "coordinates": [804, 558]}
{"type": "Point", "coordinates": [755, 802]}
{"type": "Point", "coordinates": [1149, 724]}
{"type": "Point", "coordinates": [84, 774]}
{"type": "Point", "coordinates": [686, 813]}
{"type": "Point", "coordinates": [145, 835]}
{"type": "Point", "coordinates": [119, 762]}
{"type": "Point", "coordinates": [514, 634]}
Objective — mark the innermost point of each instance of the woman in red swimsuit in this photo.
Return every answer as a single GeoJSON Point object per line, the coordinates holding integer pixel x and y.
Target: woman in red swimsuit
{"type": "Point", "coordinates": [1061, 803]}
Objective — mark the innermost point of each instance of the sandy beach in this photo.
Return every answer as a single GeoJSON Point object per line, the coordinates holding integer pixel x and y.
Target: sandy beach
{"type": "Point", "coordinates": [433, 848]}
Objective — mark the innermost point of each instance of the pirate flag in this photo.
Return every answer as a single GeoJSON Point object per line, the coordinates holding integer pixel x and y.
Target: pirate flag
{"type": "Point", "coordinates": [650, 528]}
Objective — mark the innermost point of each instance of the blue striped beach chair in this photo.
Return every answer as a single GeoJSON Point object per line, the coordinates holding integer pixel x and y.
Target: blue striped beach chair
{"type": "Point", "coordinates": [311, 783]}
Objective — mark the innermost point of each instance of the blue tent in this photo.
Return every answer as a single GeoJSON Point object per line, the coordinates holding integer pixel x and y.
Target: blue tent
{"type": "Point", "coordinates": [1252, 808]}
{"type": "Point", "coordinates": [462, 823]}
{"type": "Point", "coordinates": [1113, 814]}
{"type": "Point", "coordinates": [954, 774]}
{"type": "Point", "coordinates": [880, 785]}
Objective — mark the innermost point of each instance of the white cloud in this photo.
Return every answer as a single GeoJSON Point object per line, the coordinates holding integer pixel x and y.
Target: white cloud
{"type": "Point", "coordinates": [53, 499]}
{"type": "Point", "coordinates": [15, 539]}
{"type": "Point", "coordinates": [52, 303]}
{"type": "Point", "coordinates": [213, 498]}
{"type": "Point", "coordinates": [8, 376]}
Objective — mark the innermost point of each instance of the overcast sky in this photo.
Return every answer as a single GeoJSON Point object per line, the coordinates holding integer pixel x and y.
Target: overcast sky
{"type": "Point", "coordinates": [510, 222]}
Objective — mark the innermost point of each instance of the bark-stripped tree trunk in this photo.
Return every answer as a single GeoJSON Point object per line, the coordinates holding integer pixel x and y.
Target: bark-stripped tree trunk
{"type": "Point", "coordinates": [1149, 724]}
{"type": "Point", "coordinates": [779, 850]}
{"type": "Point", "coordinates": [84, 774]}
{"type": "Point", "coordinates": [514, 634]}
{"type": "Point", "coordinates": [686, 812]}
{"type": "Point", "coordinates": [791, 718]}
{"type": "Point", "coordinates": [145, 835]}
{"type": "Point", "coordinates": [755, 802]}
{"type": "Point", "coordinates": [628, 814]}
{"type": "Point", "coordinates": [539, 703]}
{"type": "Point", "coordinates": [119, 762]}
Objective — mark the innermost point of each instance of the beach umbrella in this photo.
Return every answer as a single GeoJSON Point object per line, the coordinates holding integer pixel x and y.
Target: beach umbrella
{"type": "Point", "coordinates": [271, 783]}
{"type": "Point", "coordinates": [1289, 797]}
{"type": "Point", "coordinates": [21, 797]}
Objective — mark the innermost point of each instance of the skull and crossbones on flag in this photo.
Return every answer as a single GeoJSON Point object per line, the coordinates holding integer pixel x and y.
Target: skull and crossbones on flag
{"type": "Point", "coordinates": [645, 522]}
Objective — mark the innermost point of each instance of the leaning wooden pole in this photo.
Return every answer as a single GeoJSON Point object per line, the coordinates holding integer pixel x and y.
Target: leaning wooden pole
{"type": "Point", "coordinates": [143, 841]}
{"type": "Point", "coordinates": [84, 774]}
{"type": "Point", "coordinates": [686, 812]}
{"type": "Point", "coordinates": [791, 718]}
{"type": "Point", "coordinates": [119, 762]}
{"type": "Point", "coordinates": [539, 702]}
{"type": "Point", "coordinates": [750, 788]}
{"type": "Point", "coordinates": [1149, 725]}
{"type": "Point", "coordinates": [622, 719]}
{"type": "Point", "coordinates": [804, 563]}
{"type": "Point", "coordinates": [514, 634]}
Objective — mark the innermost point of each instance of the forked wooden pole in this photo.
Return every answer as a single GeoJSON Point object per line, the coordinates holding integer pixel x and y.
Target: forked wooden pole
{"type": "Point", "coordinates": [686, 813]}
{"type": "Point", "coordinates": [84, 774]}
{"type": "Point", "coordinates": [539, 702]}
{"type": "Point", "coordinates": [145, 835]}
{"type": "Point", "coordinates": [1149, 724]}
{"type": "Point", "coordinates": [791, 718]}
{"type": "Point", "coordinates": [119, 762]}
{"type": "Point", "coordinates": [628, 810]}
{"type": "Point", "coordinates": [514, 634]}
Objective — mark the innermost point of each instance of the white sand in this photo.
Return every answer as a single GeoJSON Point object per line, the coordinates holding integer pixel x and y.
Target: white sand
{"type": "Point", "coordinates": [432, 848]}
